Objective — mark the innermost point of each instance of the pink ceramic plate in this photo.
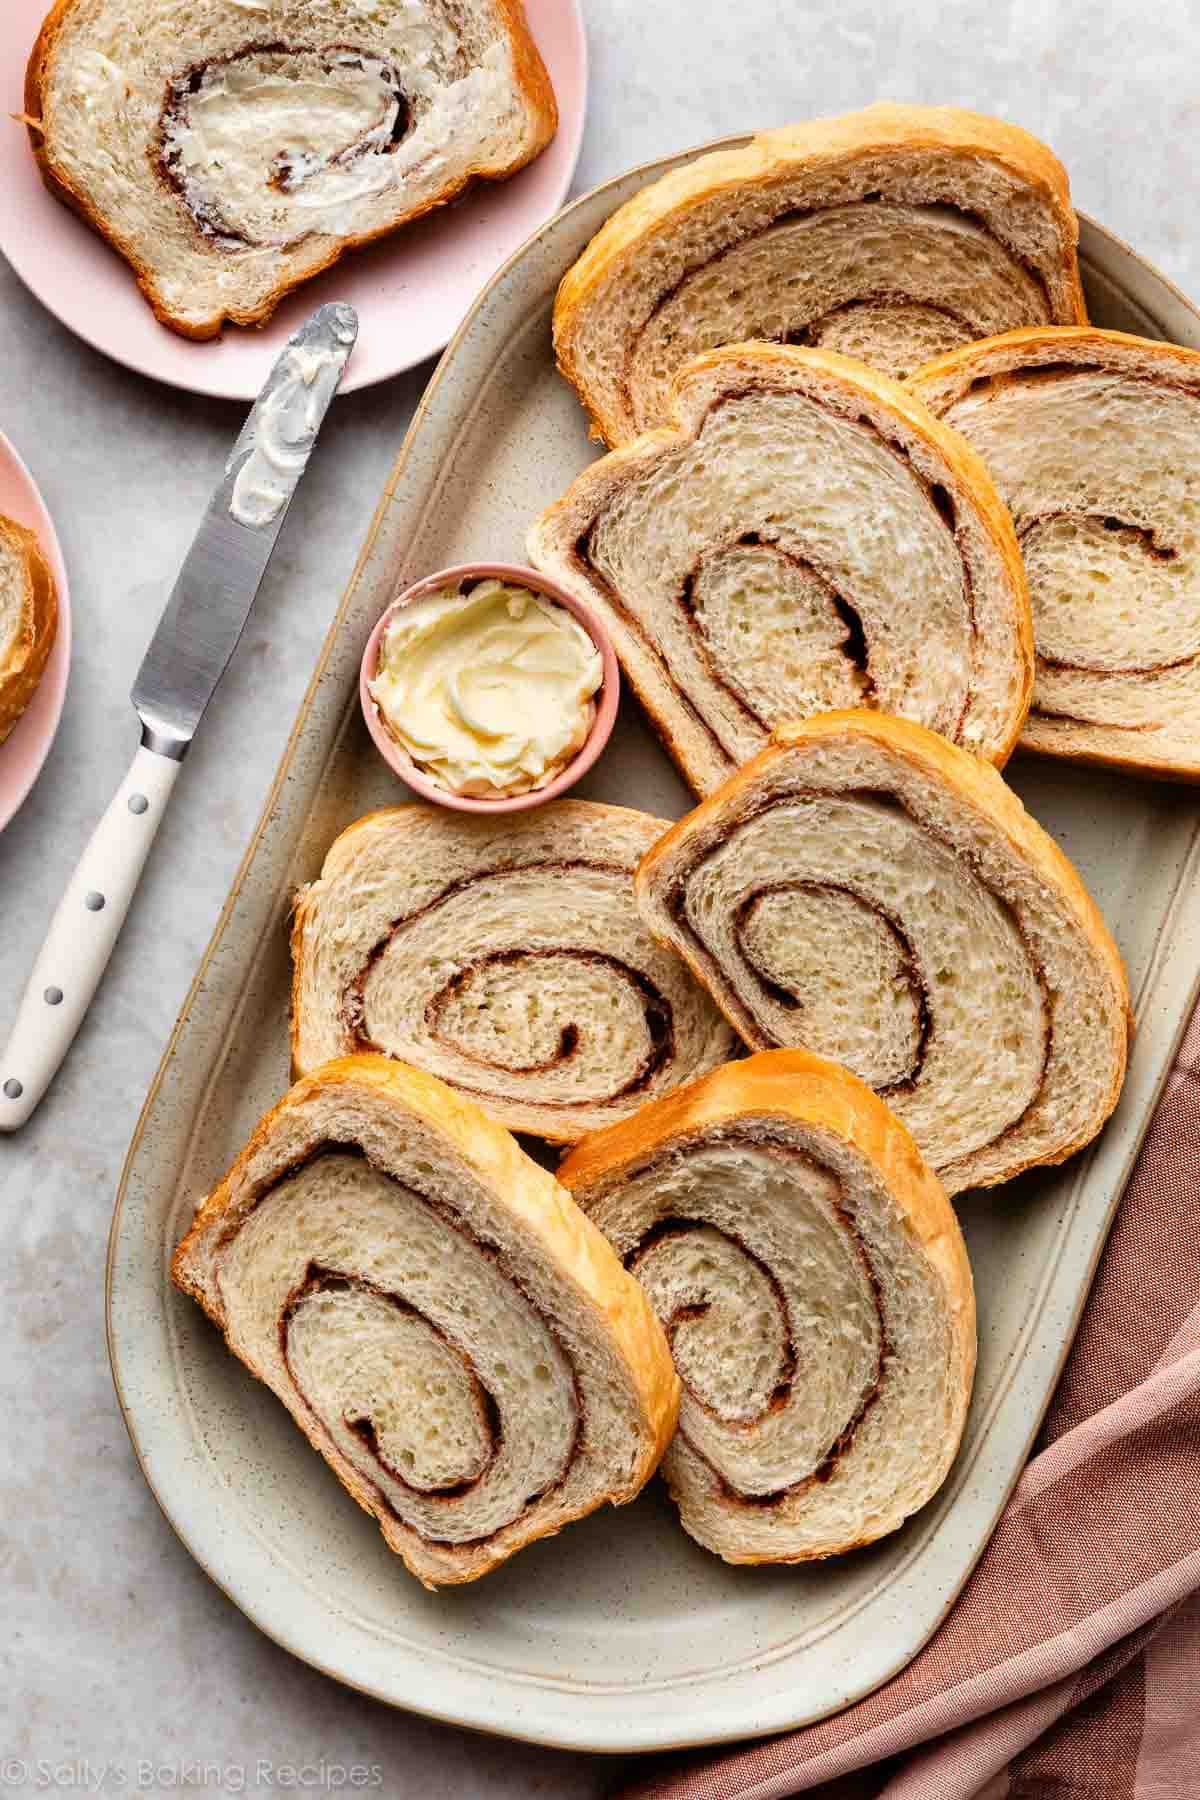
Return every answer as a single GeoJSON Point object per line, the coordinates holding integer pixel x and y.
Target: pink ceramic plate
{"type": "Point", "coordinates": [411, 292]}
{"type": "Point", "coordinates": [24, 750]}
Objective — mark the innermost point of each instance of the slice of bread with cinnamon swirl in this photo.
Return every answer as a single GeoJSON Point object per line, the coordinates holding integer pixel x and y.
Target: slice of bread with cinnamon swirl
{"type": "Point", "coordinates": [505, 955]}
{"type": "Point", "coordinates": [805, 536]}
{"type": "Point", "coordinates": [815, 1289]}
{"type": "Point", "coordinates": [867, 891]}
{"type": "Point", "coordinates": [442, 1322]}
{"type": "Point", "coordinates": [28, 620]}
{"type": "Point", "coordinates": [230, 149]}
{"type": "Point", "coordinates": [1091, 438]}
{"type": "Point", "coordinates": [892, 234]}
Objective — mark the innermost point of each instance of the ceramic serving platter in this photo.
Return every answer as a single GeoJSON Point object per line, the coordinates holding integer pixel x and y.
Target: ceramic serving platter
{"type": "Point", "coordinates": [620, 1634]}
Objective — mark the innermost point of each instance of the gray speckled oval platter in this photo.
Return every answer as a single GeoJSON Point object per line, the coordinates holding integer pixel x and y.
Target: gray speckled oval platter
{"type": "Point", "coordinates": [620, 1634]}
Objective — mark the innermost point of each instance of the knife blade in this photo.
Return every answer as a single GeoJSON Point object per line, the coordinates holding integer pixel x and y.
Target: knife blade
{"type": "Point", "coordinates": [211, 600]}
{"type": "Point", "coordinates": [188, 654]}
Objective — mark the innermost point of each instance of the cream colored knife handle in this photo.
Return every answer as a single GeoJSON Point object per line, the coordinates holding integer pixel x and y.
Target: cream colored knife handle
{"type": "Point", "coordinates": [81, 936]}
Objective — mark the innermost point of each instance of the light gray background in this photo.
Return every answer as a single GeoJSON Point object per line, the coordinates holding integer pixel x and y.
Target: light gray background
{"type": "Point", "coordinates": [116, 1648]}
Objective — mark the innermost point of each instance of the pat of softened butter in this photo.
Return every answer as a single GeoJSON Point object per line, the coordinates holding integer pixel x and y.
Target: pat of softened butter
{"type": "Point", "coordinates": [491, 691]}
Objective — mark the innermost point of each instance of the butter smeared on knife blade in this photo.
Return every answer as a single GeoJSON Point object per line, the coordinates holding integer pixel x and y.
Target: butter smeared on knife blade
{"type": "Point", "coordinates": [211, 600]}
{"type": "Point", "coordinates": [283, 427]}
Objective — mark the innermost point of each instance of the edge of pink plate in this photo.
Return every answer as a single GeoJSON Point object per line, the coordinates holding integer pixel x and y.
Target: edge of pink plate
{"type": "Point", "coordinates": [27, 745]}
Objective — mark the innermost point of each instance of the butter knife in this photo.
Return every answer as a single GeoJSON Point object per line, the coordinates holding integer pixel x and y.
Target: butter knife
{"type": "Point", "coordinates": [188, 654]}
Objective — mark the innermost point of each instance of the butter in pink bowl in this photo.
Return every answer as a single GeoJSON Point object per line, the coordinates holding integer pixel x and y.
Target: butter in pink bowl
{"type": "Point", "coordinates": [462, 579]}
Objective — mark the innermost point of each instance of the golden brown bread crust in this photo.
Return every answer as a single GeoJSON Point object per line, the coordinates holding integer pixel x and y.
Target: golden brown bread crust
{"type": "Point", "coordinates": [789, 1084]}
{"type": "Point", "coordinates": [772, 157]}
{"type": "Point", "coordinates": [1068, 740]}
{"type": "Point", "coordinates": [978, 783]}
{"type": "Point", "coordinates": [532, 77]}
{"type": "Point", "coordinates": [946, 380]}
{"type": "Point", "coordinates": [591, 491]}
{"type": "Point", "coordinates": [941, 382]}
{"type": "Point", "coordinates": [567, 1238]}
{"type": "Point", "coordinates": [22, 667]}
{"type": "Point", "coordinates": [812, 1092]}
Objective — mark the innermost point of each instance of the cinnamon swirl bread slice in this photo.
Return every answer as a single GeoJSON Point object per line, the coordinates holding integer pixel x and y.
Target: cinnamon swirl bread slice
{"type": "Point", "coordinates": [442, 1322]}
{"type": "Point", "coordinates": [803, 537]}
{"type": "Point", "coordinates": [892, 234]}
{"type": "Point", "coordinates": [230, 149]}
{"type": "Point", "coordinates": [1091, 437]}
{"type": "Point", "coordinates": [505, 955]}
{"type": "Point", "coordinates": [28, 620]}
{"type": "Point", "coordinates": [816, 1293]}
{"type": "Point", "coordinates": [867, 891]}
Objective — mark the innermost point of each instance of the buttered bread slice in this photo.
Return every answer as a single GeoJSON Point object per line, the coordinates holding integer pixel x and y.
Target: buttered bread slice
{"type": "Point", "coordinates": [891, 234]}
{"type": "Point", "coordinates": [866, 891]}
{"type": "Point", "coordinates": [1091, 437]}
{"type": "Point", "coordinates": [445, 1326]}
{"type": "Point", "coordinates": [28, 620]}
{"type": "Point", "coordinates": [230, 149]}
{"type": "Point", "coordinates": [815, 1289]}
{"type": "Point", "coordinates": [804, 536]}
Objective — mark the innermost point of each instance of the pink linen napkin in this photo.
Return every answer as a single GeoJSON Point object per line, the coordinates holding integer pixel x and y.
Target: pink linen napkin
{"type": "Point", "coordinates": [1070, 1665]}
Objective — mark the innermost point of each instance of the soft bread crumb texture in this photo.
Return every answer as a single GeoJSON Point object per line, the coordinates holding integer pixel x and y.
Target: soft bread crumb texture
{"type": "Point", "coordinates": [230, 153]}
{"type": "Point", "coordinates": [893, 234]}
{"type": "Point", "coordinates": [1090, 437]}
{"type": "Point", "coordinates": [864, 890]}
{"type": "Point", "coordinates": [442, 1322]}
{"type": "Point", "coordinates": [801, 538]}
{"type": "Point", "coordinates": [816, 1293]}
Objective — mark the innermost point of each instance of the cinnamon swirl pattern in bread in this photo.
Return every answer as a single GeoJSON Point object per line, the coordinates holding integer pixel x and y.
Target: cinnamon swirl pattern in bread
{"type": "Point", "coordinates": [230, 149]}
{"type": "Point", "coordinates": [815, 1289]}
{"type": "Point", "coordinates": [444, 1325]}
{"type": "Point", "coordinates": [1091, 438]}
{"type": "Point", "coordinates": [891, 234]}
{"type": "Point", "coordinates": [804, 537]}
{"type": "Point", "coordinates": [865, 890]}
{"type": "Point", "coordinates": [506, 956]}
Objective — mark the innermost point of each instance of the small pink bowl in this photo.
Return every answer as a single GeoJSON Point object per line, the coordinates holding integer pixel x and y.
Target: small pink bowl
{"type": "Point", "coordinates": [398, 758]}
